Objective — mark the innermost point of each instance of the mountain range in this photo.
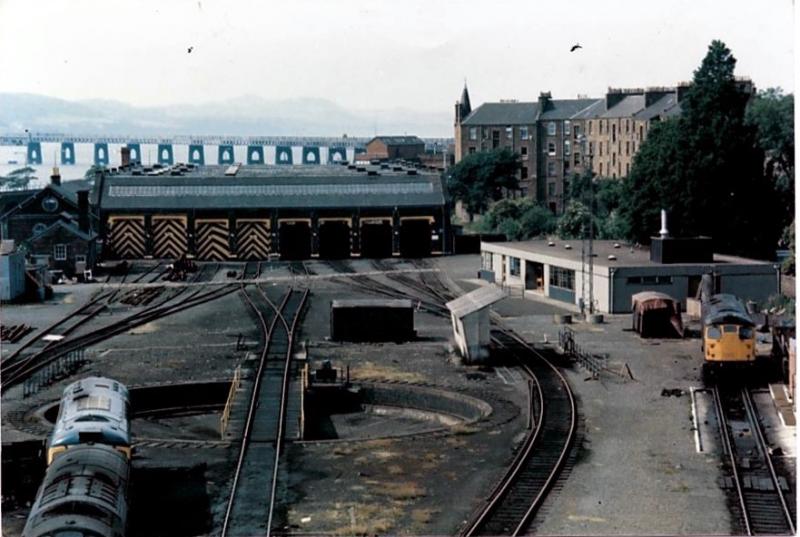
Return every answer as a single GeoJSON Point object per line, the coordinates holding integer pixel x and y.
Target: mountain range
{"type": "Point", "coordinates": [247, 115]}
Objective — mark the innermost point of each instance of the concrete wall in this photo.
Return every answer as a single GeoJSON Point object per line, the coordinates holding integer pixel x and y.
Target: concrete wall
{"type": "Point", "coordinates": [12, 276]}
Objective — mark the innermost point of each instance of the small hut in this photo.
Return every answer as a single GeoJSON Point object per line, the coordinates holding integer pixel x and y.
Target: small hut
{"type": "Point", "coordinates": [656, 315]}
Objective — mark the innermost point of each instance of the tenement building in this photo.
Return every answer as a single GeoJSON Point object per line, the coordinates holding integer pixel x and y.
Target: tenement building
{"type": "Point", "coordinates": [557, 138]}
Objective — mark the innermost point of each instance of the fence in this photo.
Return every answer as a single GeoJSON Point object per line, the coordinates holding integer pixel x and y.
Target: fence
{"type": "Point", "coordinates": [59, 368]}
{"type": "Point", "coordinates": [593, 363]}
{"type": "Point", "coordinates": [236, 383]}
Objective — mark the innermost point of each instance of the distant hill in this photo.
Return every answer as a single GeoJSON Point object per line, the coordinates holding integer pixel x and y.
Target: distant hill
{"type": "Point", "coordinates": [246, 116]}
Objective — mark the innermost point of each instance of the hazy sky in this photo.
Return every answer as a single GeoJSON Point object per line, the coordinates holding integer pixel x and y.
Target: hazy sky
{"type": "Point", "coordinates": [364, 55]}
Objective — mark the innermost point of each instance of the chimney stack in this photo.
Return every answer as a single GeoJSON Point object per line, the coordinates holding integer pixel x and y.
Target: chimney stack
{"type": "Point", "coordinates": [125, 154]}
{"type": "Point", "coordinates": [55, 179]}
{"type": "Point", "coordinates": [664, 233]}
{"type": "Point", "coordinates": [83, 210]}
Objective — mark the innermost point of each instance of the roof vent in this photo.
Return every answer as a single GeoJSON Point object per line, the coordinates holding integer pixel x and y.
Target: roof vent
{"type": "Point", "coordinates": [567, 247]}
{"type": "Point", "coordinates": [612, 257]}
{"type": "Point", "coordinates": [550, 243]}
{"type": "Point", "coordinates": [351, 166]}
{"type": "Point", "coordinates": [372, 172]}
{"type": "Point", "coordinates": [397, 168]}
{"type": "Point", "coordinates": [361, 169]}
{"type": "Point", "coordinates": [384, 166]}
{"type": "Point", "coordinates": [411, 172]}
{"type": "Point", "coordinates": [617, 245]}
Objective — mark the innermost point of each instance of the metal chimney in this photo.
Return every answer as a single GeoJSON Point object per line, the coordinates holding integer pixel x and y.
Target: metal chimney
{"type": "Point", "coordinates": [55, 179]}
{"type": "Point", "coordinates": [664, 233]}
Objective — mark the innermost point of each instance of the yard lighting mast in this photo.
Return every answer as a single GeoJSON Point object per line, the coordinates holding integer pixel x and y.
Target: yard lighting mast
{"type": "Point", "coordinates": [587, 159]}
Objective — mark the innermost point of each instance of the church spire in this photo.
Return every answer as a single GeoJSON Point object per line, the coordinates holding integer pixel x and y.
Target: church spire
{"type": "Point", "coordinates": [463, 106]}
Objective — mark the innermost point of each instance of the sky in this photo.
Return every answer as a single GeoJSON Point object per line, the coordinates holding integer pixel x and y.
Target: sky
{"type": "Point", "coordinates": [379, 54]}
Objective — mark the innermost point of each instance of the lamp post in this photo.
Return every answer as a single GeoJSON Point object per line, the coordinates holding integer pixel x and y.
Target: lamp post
{"type": "Point", "coordinates": [588, 242]}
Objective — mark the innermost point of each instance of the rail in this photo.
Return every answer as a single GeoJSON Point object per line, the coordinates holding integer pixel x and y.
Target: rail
{"type": "Point", "coordinates": [236, 383]}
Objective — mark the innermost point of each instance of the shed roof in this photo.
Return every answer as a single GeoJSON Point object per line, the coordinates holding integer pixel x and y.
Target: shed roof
{"type": "Point", "coordinates": [402, 303]}
{"type": "Point", "coordinates": [255, 187]}
{"type": "Point", "coordinates": [398, 140]}
{"type": "Point", "coordinates": [475, 300]}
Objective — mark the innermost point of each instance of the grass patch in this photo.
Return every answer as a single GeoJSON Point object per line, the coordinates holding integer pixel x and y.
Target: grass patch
{"type": "Point", "coordinates": [400, 490]}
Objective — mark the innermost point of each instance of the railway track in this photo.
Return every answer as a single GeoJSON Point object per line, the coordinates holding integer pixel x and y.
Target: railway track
{"type": "Point", "coordinates": [18, 367]}
{"type": "Point", "coordinates": [765, 502]}
{"type": "Point", "coordinates": [515, 499]}
{"type": "Point", "coordinates": [251, 503]}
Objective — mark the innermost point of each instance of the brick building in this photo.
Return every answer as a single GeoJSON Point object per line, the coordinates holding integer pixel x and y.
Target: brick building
{"type": "Point", "coordinates": [392, 148]}
{"type": "Point", "coordinates": [54, 224]}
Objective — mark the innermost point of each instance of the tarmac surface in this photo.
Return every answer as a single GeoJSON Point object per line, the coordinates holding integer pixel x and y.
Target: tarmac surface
{"type": "Point", "coordinates": [636, 470]}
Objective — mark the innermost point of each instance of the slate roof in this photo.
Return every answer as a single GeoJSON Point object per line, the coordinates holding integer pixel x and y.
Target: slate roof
{"type": "Point", "coordinates": [503, 114]}
{"type": "Point", "coordinates": [20, 200]}
{"type": "Point", "coordinates": [628, 106]}
{"type": "Point", "coordinates": [666, 106]}
{"type": "Point", "coordinates": [565, 108]}
{"type": "Point", "coordinates": [255, 188]}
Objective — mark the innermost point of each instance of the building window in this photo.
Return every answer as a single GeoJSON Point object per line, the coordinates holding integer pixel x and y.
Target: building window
{"type": "Point", "coordinates": [563, 278]}
{"type": "Point", "coordinates": [566, 128]}
{"type": "Point", "coordinates": [577, 159]}
{"type": "Point", "coordinates": [627, 168]}
{"type": "Point", "coordinates": [613, 132]}
{"type": "Point", "coordinates": [551, 189]}
{"type": "Point", "coordinates": [650, 280]}
{"type": "Point", "coordinates": [495, 139]}
{"type": "Point", "coordinates": [473, 133]}
{"type": "Point", "coordinates": [641, 133]}
{"type": "Point", "coordinates": [566, 148]}
{"type": "Point", "coordinates": [601, 168]}
{"type": "Point", "coordinates": [627, 148]}
{"type": "Point", "coordinates": [600, 146]}
{"type": "Point", "coordinates": [471, 150]}
{"type": "Point", "coordinates": [509, 133]}
{"type": "Point", "coordinates": [591, 148]}
{"type": "Point", "coordinates": [551, 128]}
{"type": "Point", "coordinates": [513, 266]}
{"type": "Point", "coordinates": [551, 148]}
{"type": "Point", "coordinates": [627, 126]}
{"type": "Point", "coordinates": [523, 133]}
{"type": "Point", "coordinates": [576, 130]}
{"type": "Point", "coordinates": [524, 152]}
{"type": "Point", "coordinates": [600, 127]}
{"type": "Point", "coordinates": [60, 252]}
{"type": "Point", "coordinates": [524, 172]}
{"type": "Point", "coordinates": [486, 260]}
{"type": "Point", "coordinates": [80, 259]}
{"type": "Point", "coordinates": [590, 126]}
{"type": "Point", "coordinates": [613, 159]}
{"type": "Point", "coordinates": [551, 169]}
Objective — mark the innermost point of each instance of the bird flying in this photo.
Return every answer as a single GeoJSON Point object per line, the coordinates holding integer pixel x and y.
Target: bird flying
{"type": "Point", "coordinates": [575, 47]}
{"type": "Point", "coordinates": [189, 50]}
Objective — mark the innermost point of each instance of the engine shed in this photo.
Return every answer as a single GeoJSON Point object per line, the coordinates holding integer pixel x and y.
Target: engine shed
{"type": "Point", "coordinates": [260, 211]}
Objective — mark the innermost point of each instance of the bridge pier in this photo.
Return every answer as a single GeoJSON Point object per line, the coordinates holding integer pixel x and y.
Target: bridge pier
{"type": "Point", "coordinates": [196, 154]}
{"type": "Point", "coordinates": [255, 154]}
{"type": "Point", "coordinates": [34, 155]}
{"type": "Point", "coordinates": [311, 155]}
{"type": "Point", "coordinates": [67, 153]}
{"type": "Point", "coordinates": [101, 154]}
{"type": "Point", "coordinates": [283, 154]}
{"type": "Point", "coordinates": [337, 154]}
{"type": "Point", "coordinates": [136, 152]}
{"type": "Point", "coordinates": [165, 154]}
{"type": "Point", "coordinates": [225, 155]}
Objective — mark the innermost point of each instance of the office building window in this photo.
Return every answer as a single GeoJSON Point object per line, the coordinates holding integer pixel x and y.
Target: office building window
{"type": "Point", "coordinates": [566, 148]}
{"type": "Point", "coordinates": [60, 252]}
{"type": "Point", "coordinates": [473, 133]}
{"type": "Point", "coordinates": [551, 148]}
{"type": "Point", "coordinates": [523, 133]}
{"type": "Point", "coordinates": [563, 278]}
{"type": "Point", "coordinates": [486, 260]}
{"type": "Point", "coordinates": [551, 169]}
{"type": "Point", "coordinates": [509, 133]}
{"type": "Point", "coordinates": [551, 128]}
{"type": "Point", "coordinates": [514, 266]}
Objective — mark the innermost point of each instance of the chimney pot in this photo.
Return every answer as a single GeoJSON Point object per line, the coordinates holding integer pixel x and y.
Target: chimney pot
{"type": "Point", "coordinates": [664, 232]}
{"type": "Point", "coordinates": [55, 179]}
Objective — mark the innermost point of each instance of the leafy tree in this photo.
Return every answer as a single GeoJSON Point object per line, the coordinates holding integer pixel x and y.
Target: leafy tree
{"type": "Point", "coordinates": [608, 224]}
{"type": "Point", "coordinates": [18, 179]}
{"type": "Point", "coordinates": [772, 114]}
{"type": "Point", "coordinates": [482, 177]}
{"type": "Point", "coordinates": [572, 223]}
{"type": "Point", "coordinates": [518, 219]}
{"type": "Point", "coordinates": [705, 168]}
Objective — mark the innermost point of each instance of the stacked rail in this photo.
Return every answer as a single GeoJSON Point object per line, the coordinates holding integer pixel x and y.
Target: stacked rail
{"type": "Point", "coordinates": [766, 504]}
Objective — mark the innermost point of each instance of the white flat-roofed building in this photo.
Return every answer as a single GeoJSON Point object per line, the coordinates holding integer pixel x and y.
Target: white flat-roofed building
{"type": "Point", "coordinates": [555, 269]}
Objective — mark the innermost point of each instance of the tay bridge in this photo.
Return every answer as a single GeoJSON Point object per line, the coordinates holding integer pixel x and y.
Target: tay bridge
{"type": "Point", "coordinates": [64, 149]}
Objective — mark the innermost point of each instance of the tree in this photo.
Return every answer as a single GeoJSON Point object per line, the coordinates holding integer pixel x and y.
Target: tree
{"type": "Point", "coordinates": [705, 168]}
{"type": "Point", "coordinates": [772, 114]}
{"type": "Point", "coordinates": [18, 179]}
{"type": "Point", "coordinates": [518, 219]}
{"type": "Point", "coordinates": [483, 177]}
{"type": "Point", "coordinates": [608, 192]}
{"type": "Point", "coordinates": [572, 223]}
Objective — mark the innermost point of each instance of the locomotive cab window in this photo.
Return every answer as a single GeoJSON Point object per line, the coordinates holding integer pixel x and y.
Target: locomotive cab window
{"type": "Point", "coordinates": [712, 332]}
{"type": "Point", "coordinates": [730, 328]}
{"type": "Point", "coordinates": [745, 332]}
